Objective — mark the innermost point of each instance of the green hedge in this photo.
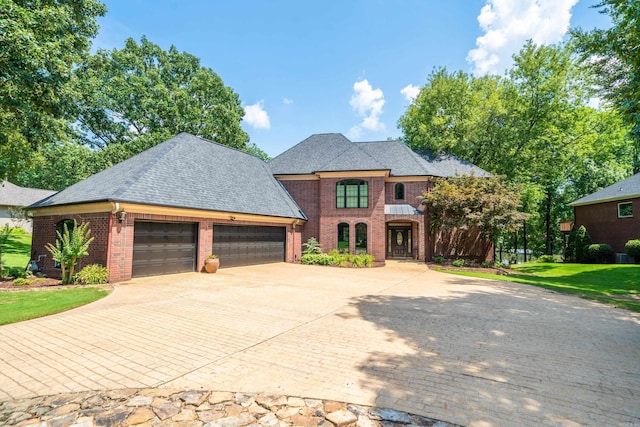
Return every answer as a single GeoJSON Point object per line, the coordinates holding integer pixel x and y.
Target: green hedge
{"type": "Point", "coordinates": [632, 248]}
{"type": "Point", "coordinates": [599, 253]}
{"type": "Point", "coordinates": [336, 258]}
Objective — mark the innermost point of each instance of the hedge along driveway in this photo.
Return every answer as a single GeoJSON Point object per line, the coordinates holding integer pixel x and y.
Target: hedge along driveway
{"type": "Point", "coordinates": [468, 351]}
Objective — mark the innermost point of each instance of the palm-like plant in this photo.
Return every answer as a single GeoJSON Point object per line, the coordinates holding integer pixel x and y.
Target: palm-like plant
{"type": "Point", "coordinates": [70, 246]}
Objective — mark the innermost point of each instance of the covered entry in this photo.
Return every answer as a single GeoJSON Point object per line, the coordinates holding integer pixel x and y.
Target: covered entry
{"type": "Point", "coordinates": [400, 242]}
{"type": "Point", "coordinates": [248, 244]}
{"type": "Point", "coordinates": [163, 248]}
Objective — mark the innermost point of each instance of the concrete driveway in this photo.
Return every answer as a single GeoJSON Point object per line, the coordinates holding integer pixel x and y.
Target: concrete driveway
{"type": "Point", "coordinates": [467, 351]}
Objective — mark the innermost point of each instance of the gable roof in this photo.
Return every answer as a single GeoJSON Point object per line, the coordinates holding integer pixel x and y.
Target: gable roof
{"type": "Point", "coordinates": [186, 172]}
{"type": "Point", "coordinates": [625, 189]}
{"type": "Point", "coordinates": [14, 195]}
{"type": "Point", "coordinates": [333, 152]}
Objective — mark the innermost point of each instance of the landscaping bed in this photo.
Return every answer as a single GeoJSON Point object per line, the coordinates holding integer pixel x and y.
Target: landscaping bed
{"type": "Point", "coordinates": [35, 282]}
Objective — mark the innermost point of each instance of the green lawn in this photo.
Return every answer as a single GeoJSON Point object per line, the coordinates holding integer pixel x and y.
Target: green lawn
{"type": "Point", "coordinates": [17, 251]}
{"type": "Point", "coordinates": [616, 284]}
{"type": "Point", "coordinates": [19, 306]}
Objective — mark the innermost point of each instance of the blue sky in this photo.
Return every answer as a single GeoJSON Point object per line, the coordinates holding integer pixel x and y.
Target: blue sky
{"type": "Point", "coordinates": [348, 66]}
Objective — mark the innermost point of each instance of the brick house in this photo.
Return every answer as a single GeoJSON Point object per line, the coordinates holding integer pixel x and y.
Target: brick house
{"type": "Point", "coordinates": [611, 215]}
{"type": "Point", "coordinates": [165, 209]}
{"type": "Point", "coordinates": [15, 197]}
{"type": "Point", "coordinates": [365, 196]}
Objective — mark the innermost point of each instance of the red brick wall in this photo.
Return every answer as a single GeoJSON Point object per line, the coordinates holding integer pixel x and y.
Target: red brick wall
{"type": "Point", "coordinates": [306, 195]}
{"type": "Point", "coordinates": [373, 216]}
{"type": "Point", "coordinates": [116, 253]}
{"type": "Point", "coordinates": [44, 231]}
{"type": "Point", "coordinates": [604, 226]}
{"type": "Point", "coordinates": [412, 192]}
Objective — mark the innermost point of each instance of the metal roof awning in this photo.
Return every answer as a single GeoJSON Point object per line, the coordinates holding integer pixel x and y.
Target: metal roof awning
{"type": "Point", "coordinates": [401, 210]}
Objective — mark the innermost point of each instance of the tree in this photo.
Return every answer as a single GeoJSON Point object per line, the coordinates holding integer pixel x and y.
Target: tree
{"type": "Point", "coordinates": [462, 115]}
{"type": "Point", "coordinates": [70, 246]}
{"type": "Point", "coordinates": [42, 42]}
{"type": "Point", "coordinates": [614, 56]}
{"type": "Point", "coordinates": [469, 203]}
{"type": "Point", "coordinates": [138, 96]}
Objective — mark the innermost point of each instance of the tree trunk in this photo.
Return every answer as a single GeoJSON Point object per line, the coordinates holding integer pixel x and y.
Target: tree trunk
{"type": "Point", "coordinates": [547, 225]}
{"type": "Point", "coordinates": [524, 238]}
{"type": "Point", "coordinates": [515, 245]}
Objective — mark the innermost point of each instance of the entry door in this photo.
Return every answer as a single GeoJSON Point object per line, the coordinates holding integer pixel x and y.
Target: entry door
{"type": "Point", "coordinates": [400, 239]}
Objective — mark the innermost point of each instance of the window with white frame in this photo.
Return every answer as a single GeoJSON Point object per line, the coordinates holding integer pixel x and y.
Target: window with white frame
{"type": "Point", "coordinates": [625, 210]}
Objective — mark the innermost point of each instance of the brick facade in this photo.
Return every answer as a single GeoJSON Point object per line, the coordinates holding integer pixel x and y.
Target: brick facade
{"type": "Point", "coordinates": [113, 243]}
{"type": "Point", "coordinates": [604, 226]}
{"type": "Point", "coordinates": [44, 231]}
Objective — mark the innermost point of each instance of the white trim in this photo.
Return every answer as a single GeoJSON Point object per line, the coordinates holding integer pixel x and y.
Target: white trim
{"type": "Point", "coordinates": [625, 203]}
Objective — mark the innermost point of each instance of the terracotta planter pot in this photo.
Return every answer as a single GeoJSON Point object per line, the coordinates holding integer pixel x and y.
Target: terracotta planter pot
{"type": "Point", "coordinates": [211, 265]}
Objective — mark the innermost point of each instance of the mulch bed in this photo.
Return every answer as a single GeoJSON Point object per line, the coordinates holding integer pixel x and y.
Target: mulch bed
{"type": "Point", "coordinates": [36, 282]}
{"type": "Point", "coordinates": [477, 268]}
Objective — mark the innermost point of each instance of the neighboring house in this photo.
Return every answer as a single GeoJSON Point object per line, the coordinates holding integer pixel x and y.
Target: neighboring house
{"type": "Point", "coordinates": [365, 196]}
{"type": "Point", "coordinates": [611, 215]}
{"type": "Point", "coordinates": [165, 209]}
{"type": "Point", "coordinates": [14, 197]}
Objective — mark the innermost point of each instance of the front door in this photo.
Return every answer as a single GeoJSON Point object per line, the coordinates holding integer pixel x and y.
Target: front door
{"type": "Point", "coordinates": [399, 242]}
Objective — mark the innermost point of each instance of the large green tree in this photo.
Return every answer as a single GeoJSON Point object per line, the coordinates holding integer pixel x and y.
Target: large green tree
{"type": "Point", "coordinates": [614, 55]}
{"type": "Point", "coordinates": [40, 43]}
{"type": "Point", "coordinates": [533, 126]}
{"type": "Point", "coordinates": [135, 97]}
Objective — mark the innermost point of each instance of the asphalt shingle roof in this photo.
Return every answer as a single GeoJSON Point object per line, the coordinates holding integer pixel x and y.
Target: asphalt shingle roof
{"type": "Point", "coordinates": [14, 195]}
{"type": "Point", "coordinates": [330, 152]}
{"type": "Point", "coordinates": [625, 189]}
{"type": "Point", "coordinates": [187, 172]}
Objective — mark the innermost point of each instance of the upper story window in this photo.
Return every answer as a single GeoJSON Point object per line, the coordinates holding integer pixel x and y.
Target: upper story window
{"type": "Point", "coordinates": [352, 193]}
{"type": "Point", "coordinates": [625, 210]}
{"type": "Point", "coordinates": [399, 191]}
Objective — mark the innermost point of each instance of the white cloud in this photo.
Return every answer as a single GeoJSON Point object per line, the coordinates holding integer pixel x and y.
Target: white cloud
{"type": "Point", "coordinates": [507, 24]}
{"type": "Point", "coordinates": [367, 103]}
{"type": "Point", "coordinates": [355, 132]}
{"type": "Point", "coordinates": [287, 101]}
{"type": "Point", "coordinates": [256, 116]}
{"type": "Point", "coordinates": [410, 92]}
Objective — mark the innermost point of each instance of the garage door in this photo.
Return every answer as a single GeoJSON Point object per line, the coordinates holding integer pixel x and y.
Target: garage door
{"type": "Point", "coordinates": [247, 245]}
{"type": "Point", "coordinates": [163, 248]}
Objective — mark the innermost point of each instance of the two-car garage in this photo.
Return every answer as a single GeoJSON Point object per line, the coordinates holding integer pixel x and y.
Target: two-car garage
{"type": "Point", "coordinates": [171, 247]}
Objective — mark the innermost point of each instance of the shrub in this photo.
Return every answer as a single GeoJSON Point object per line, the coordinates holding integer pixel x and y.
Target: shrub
{"type": "Point", "coordinates": [598, 253]}
{"type": "Point", "coordinates": [319, 259]}
{"type": "Point", "coordinates": [93, 274]}
{"type": "Point", "coordinates": [312, 246]}
{"type": "Point", "coordinates": [632, 248]}
{"type": "Point", "coordinates": [582, 241]}
{"type": "Point", "coordinates": [486, 264]}
{"type": "Point", "coordinates": [458, 263]}
{"type": "Point", "coordinates": [16, 272]}
{"type": "Point", "coordinates": [546, 258]}
{"type": "Point", "coordinates": [21, 281]}
{"type": "Point", "coordinates": [18, 230]}
{"type": "Point", "coordinates": [438, 259]}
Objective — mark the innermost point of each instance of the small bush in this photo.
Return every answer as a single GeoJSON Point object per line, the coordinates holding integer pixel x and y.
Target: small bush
{"type": "Point", "coordinates": [17, 272]}
{"type": "Point", "coordinates": [438, 259]}
{"type": "Point", "coordinates": [486, 264]}
{"type": "Point", "coordinates": [93, 274]}
{"type": "Point", "coordinates": [21, 281]}
{"type": "Point", "coordinates": [546, 258]}
{"type": "Point", "coordinates": [632, 248]}
{"type": "Point", "coordinates": [18, 230]}
{"type": "Point", "coordinates": [458, 263]}
{"type": "Point", "coordinates": [312, 247]}
{"type": "Point", "coordinates": [598, 253]}
{"type": "Point", "coordinates": [582, 241]}
{"type": "Point", "coordinates": [319, 259]}
{"type": "Point", "coordinates": [334, 257]}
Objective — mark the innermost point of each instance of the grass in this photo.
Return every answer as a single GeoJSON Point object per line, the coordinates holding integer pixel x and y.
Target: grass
{"type": "Point", "coordinates": [17, 251]}
{"type": "Point", "coordinates": [19, 306]}
{"type": "Point", "coordinates": [615, 284]}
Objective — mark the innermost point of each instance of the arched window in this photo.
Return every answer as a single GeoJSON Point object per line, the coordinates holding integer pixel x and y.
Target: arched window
{"type": "Point", "coordinates": [361, 238]}
{"type": "Point", "coordinates": [352, 193]}
{"type": "Point", "coordinates": [343, 237]}
{"type": "Point", "coordinates": [60, 231]}
{"type": "Point", "coordinates": [399, 191]}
